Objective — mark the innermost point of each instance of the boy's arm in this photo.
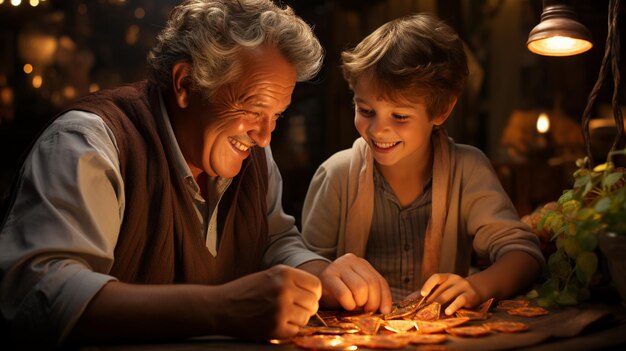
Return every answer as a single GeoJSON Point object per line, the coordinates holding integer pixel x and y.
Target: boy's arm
{"type": "Point", "coordinates": [498, 234]}
{"type": "Point", "coordinates": [512, 272]}
{"type": "Point", "coordinates": [515, 270]}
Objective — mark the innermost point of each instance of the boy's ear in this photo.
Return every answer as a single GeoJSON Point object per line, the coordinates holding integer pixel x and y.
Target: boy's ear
{"type": "Point", "coordinates": [181, 83]}
{"type": "Point", "coordinates": [443, 117]}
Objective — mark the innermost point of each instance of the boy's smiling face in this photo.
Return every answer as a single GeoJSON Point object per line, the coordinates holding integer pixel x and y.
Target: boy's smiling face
{"type": "Point", "coordinates": [398, 132]}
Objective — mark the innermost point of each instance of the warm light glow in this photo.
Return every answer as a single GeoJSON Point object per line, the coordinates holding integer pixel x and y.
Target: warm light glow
{"type": "Point", "coordinates": [69, 92]}
{"type": "Point", "coordinates": [34, 3]}
{"type": "Point", "coordinates": [559, 46]}
{"type": "Point", "coordinates": [37, 48]}
{"type": "Point", "coordinates": [28, 68]}
{"type": "Point", "coordinates": [1, 2]}
{"type": "Point", "coordinates": [132, 34]}
{"type": "Point", "coordinates": [543, 123]}
{"type": "Point", "coordinates": [93, 87]}
{"type": "Point", "coordinates": [16, 2]}
{"type": "Point", "coordinates": [139, 13]}
{"type": "Point", "coordinates": [37, 81]}
{"type": "Point", "coordinates": [6, 96]}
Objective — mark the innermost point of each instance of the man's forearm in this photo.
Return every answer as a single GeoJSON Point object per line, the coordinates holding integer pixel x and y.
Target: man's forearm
{"type": "Point", "coordinates": [139, 312]}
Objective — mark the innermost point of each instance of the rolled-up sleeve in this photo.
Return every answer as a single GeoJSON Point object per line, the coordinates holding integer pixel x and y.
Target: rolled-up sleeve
{"type": "Point", "coordinates": [492, 217]}
{"type": "Point", "coordinates": [285, 245]}
{"type": "Point", "coordinates": [57, 243]}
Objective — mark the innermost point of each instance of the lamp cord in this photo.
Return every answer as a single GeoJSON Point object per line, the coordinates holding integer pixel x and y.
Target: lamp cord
{"type": "Point", "coordinates": [612, 51]}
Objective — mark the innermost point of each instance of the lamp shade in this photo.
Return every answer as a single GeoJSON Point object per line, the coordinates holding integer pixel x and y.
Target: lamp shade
{"type": "Point", "coordinates": [559, 33]}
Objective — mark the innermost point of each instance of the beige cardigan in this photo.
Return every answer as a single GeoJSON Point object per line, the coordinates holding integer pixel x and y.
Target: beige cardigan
{"type": "Point", "coordinates": [470, 210]}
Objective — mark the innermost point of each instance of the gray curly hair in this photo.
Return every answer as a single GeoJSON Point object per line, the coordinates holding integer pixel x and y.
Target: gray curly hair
{"type": "Point", "coordinates": [210, 33]}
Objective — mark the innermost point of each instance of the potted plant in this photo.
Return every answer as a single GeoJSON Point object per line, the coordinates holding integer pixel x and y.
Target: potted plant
{"type": "Point", "coordinates": [592, 212]}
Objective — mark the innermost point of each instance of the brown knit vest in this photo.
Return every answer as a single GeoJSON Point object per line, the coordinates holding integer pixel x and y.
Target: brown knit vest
{"type": "Point", "coordinates": [160, 237]}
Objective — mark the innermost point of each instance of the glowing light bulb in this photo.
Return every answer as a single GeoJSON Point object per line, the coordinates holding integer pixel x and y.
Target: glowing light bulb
{"type": "Point", "coordinates": [559, 46]}
{"type": "Point", "coordinates": [37, 81]}
{"type": "Point", "coordinates": [543, 123]}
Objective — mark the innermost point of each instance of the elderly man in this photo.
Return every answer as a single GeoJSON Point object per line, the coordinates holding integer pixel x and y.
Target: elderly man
{"type": "Point", "coordinates": [153, 210]}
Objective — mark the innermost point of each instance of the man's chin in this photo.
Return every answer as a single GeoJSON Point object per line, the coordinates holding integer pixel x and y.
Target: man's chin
{"type": "Point", "coordinates": [229, 172]}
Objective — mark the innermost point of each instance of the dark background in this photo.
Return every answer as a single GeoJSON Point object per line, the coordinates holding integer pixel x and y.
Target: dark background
{"type": "Point", "coordinates": [81, 46]}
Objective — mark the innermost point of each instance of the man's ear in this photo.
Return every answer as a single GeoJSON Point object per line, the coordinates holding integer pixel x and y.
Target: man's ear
{"type": "Point", "coordinates": [443, 117]}
{"type": "Point", "coordinates": [181, 83]}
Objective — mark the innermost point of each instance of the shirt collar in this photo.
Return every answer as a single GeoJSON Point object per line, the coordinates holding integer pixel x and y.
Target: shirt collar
{"type": "Point", "coordinates": [179, 159]}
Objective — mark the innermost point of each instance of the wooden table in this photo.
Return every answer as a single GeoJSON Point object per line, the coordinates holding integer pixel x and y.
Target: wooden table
{"type": "Point", "coordinates": [589, 326]}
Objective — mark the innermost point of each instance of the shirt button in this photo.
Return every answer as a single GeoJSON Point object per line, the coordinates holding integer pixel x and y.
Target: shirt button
{"type": "Point", "coordinates": [407, 280]}
{"type": "Point", "coordinates": [407, 247]}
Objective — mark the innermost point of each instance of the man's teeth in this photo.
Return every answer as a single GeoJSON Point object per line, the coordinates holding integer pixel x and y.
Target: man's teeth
{"type": "Point", "coordinates": [384, 145]}
{"type": "Point", "coordinates": [239, 145]}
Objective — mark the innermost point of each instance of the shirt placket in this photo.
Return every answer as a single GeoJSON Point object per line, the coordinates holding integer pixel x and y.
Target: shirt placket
{"type": "Point", "coordinates": [406, 249]}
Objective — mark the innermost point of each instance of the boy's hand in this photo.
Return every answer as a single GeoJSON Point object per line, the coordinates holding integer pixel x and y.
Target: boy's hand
{"type": "Point", "coordinates": [450, 288]}
{"type": "Point", "coordinates": [351, 282]}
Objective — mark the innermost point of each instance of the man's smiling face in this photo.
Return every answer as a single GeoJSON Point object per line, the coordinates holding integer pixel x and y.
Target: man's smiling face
{"type": "Point", "coordinates": [240, 115]}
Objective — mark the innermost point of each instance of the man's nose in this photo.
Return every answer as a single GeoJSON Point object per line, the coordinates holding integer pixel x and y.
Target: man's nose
{"type": "Point", "coordinates": [262, 131]}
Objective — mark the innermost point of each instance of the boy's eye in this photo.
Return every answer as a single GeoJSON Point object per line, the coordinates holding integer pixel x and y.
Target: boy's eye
{"type": "Point", "coordinates": [400, 117]}
{"type": "Point", "coordinates": [365, 112]}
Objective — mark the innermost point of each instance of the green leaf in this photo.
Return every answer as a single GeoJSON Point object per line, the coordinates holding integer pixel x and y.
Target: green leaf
{"type": "Point", "coordinates": [586, 266]}
{"type": "Point", "coordinates": [556, 224]}
{"type": "Point", "coordinates": [587, 241]}
{"type": "Point", "coordinates": [546, 302]}
{"type": "Point", "coordinates": [588, 187]}
{"type": "Point", "coordinates": [572, 247]}
{"type": "Point", "coordinates": [570, 207]}
{"type": "Point", "coordinates": [602, 205]}
{"type": "Point", "coordinates": [616, 152]}
{"type": "Point", "coordinates": [550, 289]}
{"type": "Point", "coordinates": [583, 180]}
{"type": "Point", "coordinates": [533, 294]}
{"type": "Point", "coordinates": [558, 268]}
{"type": "Point", "coordinates": [567, 196]}
{"type": "Point", "coordinates": [567, 297]}
{"type": "Point", "coordinates": [611, 179]}
{"type": "Point", "coordinates": [585, 214]}
{"type": "Point", "coordinates": [571, 229]}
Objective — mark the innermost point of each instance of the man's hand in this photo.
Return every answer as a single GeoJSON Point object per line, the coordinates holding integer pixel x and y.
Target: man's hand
{"type": "Point", "coordinates": [446, 287]}
{"type": "Point", "coordinates": [273, 303]}
{"type": "Point", "coordinates": [351, 282]}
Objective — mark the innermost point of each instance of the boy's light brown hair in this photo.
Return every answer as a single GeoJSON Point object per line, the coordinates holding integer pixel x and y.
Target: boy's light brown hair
{"type": "Point", "coordinates": [412, 57]}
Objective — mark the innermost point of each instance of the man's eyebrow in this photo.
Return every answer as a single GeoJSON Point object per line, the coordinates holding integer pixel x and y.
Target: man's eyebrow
{"type": "Point", "coordinates": [265, 104]}
{"type": "Point", "coordinates": [260, 103]}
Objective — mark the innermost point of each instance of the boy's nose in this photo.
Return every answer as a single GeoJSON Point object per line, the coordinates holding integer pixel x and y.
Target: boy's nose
{"type": "Point", "coordinates": [378, 126]}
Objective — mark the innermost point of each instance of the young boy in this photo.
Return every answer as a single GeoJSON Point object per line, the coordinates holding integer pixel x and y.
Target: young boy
{"type": "Point", "coordinates": [406, 197]}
